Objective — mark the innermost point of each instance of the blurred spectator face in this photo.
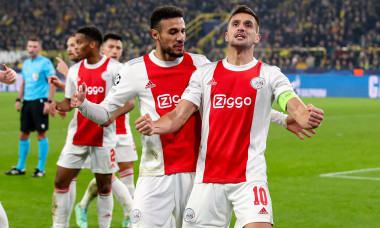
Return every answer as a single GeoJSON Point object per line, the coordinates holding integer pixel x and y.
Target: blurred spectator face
{"type": "Point", "coordinates": [83, 47]}
{"type": "Point", "coordinates": [242, 31]}
{"type": "Point", "coordinates": [71, 44]}
{"type": "Point", "coordinates": [170, 37]}
{"type": "Point", "coordinates": [112, 49]}
{"type": "Point", "coordinates": [34, 48]}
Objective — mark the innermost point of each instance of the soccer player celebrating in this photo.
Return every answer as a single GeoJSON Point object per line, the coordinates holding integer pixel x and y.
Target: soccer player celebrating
{"type": "Point", "coordinates": [125, 149]}
{"type": "Point", "coordinates": [235, 96]}
{"type": "Point", "coordinates": [86, 138]}
{"type": "Point", "coordinates": [37, 96]}
{"type": "Point", "coordinates": [166, 176]}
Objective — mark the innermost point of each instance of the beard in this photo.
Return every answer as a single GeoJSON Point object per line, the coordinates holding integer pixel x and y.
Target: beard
{"type": "Point", "coordinates": [168, 50]}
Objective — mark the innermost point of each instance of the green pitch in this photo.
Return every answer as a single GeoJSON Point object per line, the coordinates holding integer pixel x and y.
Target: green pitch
{"type": "Point", "coordinates": [348, 140]}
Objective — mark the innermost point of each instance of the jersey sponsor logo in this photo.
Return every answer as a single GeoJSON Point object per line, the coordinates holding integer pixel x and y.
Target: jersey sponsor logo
{"type": "Point", "coordinates": [189, 215]}
{"type": "Point", "coordinates": [150, 85]}
{"type": "Point", "coordinates": [212, 82]}
{"type": "Point", "coordinates": [94, 90]}
{"type": "Point", "coordinates": [222, 101]}
{"type": "Point", "coordinates": [257, 82]}
{"type": "Point", "coordinates": [135, 216]}
{"type": "Point", "coordinates": [35, 76]}
{"type": "Point", "coordinates": [166, 101]}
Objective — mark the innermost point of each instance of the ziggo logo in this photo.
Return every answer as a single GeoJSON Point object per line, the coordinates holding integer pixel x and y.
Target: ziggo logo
{"type": "Point", "coordinates": [221, 101]}
{"type": "Point", "coordinates": [94, 90]}
{"type": "Point", "coordinates": [166, 101]}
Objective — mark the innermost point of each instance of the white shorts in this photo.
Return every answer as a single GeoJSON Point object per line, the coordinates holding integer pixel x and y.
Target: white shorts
{"type": "Point", "coordinates": [125, 148]}
{"type": "Point", "coordinates": [158, 198]}
{"type": "Point", "coordinates": [211, 205]}
{"type": "Point", "coordinates": [102, 158]}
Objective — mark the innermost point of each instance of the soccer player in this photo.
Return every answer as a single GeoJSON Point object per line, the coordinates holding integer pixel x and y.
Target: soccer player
{"type": "Point", "coordinates": [235, 96]}
{"type": "Point", "coordinates": [8, 76]}
{"type": "Point", "coordinates": [86, 138]}
{"type": "Point", "coordinates": [37, 96]}
{"type": "Point", "coordinates": [62, 66]}
{"type": "Point", "coordinates": [166, 176]}
{"type": "Point", "coordinates": [125, 148]}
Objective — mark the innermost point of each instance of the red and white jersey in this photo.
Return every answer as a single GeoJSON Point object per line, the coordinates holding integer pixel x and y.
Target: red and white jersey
{"type": "Point", "coordinates": [122, 125]}
{"type": "Point", "coordinates": [159, 86]}
{"type": "Point", "coordinates": [236, 103]}
{"type": "Point", "coordinates": [99, 78]}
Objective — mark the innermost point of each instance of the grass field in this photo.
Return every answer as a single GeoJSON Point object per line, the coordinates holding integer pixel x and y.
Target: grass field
{"type": "Point", "coordinates": [347, 140]}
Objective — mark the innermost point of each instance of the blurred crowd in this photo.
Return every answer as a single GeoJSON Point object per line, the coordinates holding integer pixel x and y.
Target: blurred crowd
{"type": "Point", "coordinates": [295, 34]}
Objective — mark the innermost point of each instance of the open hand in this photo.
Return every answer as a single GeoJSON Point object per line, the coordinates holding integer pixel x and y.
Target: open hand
{"type": "Point", "coordinates": [79, 96]}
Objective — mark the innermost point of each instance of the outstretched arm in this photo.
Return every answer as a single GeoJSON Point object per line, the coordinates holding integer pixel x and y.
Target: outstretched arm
{"type": "Point", "coordinates": [169, 123]}
{"type": "Point", "coordinates": [99, 113]}
{"type": "Point", "coordinates": [290, 124]}
{"type": "Point", "coordinates": [128, 106]}
{"type": "Point", "coordinates": [54, 80]}
{"type": "Point", "coordinates": [308, 117]}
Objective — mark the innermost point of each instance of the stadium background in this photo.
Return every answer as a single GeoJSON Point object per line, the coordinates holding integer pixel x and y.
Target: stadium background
{"type": "Point", "coordinates": [326, 48]}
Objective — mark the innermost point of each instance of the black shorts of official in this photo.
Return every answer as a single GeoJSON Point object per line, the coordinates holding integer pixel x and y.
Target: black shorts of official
{"type": "Point", "coordinates": [32, 117]}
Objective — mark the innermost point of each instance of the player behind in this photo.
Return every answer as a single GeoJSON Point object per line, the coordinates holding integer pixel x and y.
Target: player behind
{"type": "Point", "coordinates": [235, 95]}
{"type": "Point", "coordinates": [84, 137]}
{"type": "Point", "coordinates": [125, 148]}
{"type": "Point", "coordinates": [62, 66]}
{"type": "Point", "coordinates": [8, 76]}
{"type": "Point", "coordinates": [37, 96]}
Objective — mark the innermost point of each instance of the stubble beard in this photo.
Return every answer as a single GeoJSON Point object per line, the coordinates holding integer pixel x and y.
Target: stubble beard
{"type": "Point", "coordinates": [169, 51]}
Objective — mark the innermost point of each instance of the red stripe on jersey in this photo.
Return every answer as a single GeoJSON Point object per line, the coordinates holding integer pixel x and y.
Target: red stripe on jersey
{"type": "Point", "coordinates": [180, 150]}
{"type": "Point", "coordinates": [88, 132]}
{"type": "Point", "coordinates": [232, 108]}
{"type": "Point", "coordinates": [120, 125]}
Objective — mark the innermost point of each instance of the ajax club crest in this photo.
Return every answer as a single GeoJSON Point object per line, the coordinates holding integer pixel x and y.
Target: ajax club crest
{"type": "Point", "coordinates": [257, 82]}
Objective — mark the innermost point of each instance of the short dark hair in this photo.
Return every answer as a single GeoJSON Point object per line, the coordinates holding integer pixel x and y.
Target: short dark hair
{"type": "Point", "coordinates": [92, 33]}
{"type": "Point", "coordinates": [112, 36]}
{"type": "Point", "coordinates": [247, 10]}
{"type": "Point", "coordinates": [162, 13]}
{"type": "Point", "coordinates": [34, 38]}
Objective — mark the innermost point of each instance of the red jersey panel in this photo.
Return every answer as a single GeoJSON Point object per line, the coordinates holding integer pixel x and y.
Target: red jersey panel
{"type": "Point", "coordinates": [180, 150]}
{"type": "Point", "coordinates": [121, 129]}
{"type": "Point", "coordinates": [232, 107]}
{"type": "Point", "coordinates": [88, 132]}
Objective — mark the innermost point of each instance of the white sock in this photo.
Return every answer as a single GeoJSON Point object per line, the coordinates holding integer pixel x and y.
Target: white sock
{"type": "Point", "coordinates": [105, 207]}
{"type": "Point", "coordinates": [89, 195]}
{"type": "Point", "coordinates": [3, 218]}
{"type": "Point", "coordinates": [73, 194]}
{"type": "Point", "coordinates": [127, 177]}
{"type": "Point", "coordinates": [122, 195]}
{"type": "Point", "coordinates": [61, 207]}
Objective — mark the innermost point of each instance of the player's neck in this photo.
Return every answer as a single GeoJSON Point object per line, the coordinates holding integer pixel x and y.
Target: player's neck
{"type": "Point", "coordinates": [93, 59]}
{"type": "Point", "coordinates": [239, 57]}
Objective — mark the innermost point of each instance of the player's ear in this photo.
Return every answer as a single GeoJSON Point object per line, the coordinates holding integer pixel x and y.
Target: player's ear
{"type": "Point", "coordinates": [93, 44]}
{"type": "Point", "coordinates": [154, 33]}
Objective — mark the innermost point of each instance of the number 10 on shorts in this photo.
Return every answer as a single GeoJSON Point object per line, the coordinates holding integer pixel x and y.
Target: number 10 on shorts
{"type": "Point", "coordinates": [260, 196]}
